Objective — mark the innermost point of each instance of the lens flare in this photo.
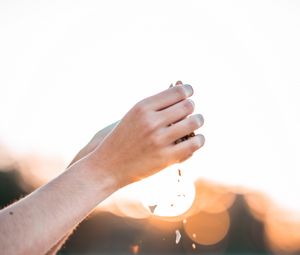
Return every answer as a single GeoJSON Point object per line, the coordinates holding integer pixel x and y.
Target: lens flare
{"type": "Point", "coordinates": [125, 203]}
{"type": "Point", "coordinates": [135, 249]}
{"type": "Point", "coordinates": [173, 194]}
{"type": "Point", "coordinates": [167, 194]}
{"type": "Point", "coordinates": [207, 228]}
{"type": "Point", "coordinates": [212, 198]}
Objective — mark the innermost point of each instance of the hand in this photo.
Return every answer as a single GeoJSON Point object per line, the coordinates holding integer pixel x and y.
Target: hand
{"type": "Point", "coordinates": [143, 141]}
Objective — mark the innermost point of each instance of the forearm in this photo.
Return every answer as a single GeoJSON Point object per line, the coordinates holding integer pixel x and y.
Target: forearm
{"type": "Point", "coordinates": [82, 153]}
{"type": "Point", "coordinates": [36, 223]}
{"type": "Point", "coordinates": [60, 244]}
{"type": "Point", "coordinates": [140, 146]}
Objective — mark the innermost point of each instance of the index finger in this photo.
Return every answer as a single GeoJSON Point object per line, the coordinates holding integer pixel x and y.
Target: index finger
{"type": "Point", "coordinates": [170, 96]}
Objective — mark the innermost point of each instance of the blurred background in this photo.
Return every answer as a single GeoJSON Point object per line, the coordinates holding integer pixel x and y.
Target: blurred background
{"type": "Point", "coordinates": [70, 68]}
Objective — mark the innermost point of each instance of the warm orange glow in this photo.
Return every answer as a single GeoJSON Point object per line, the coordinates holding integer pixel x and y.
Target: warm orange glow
{"type": "Point", "coordinates": [165, 195]}
{"type": "Point", "coordinates": [283, 231]}
{"type": "Point", "coordinates": [38, 170]}
{"type": "Point", "coordinates": [212, 198]}
{"type": "Point", "coordinates": [258, 204]}
{"type": "Point", "coordinates": [172, 194]}
{"type": "Point", "coordinates": [135, 249]}
{"type": "Point", "coordinates": [132, 209]}
{"type": "Point", "coordinates": [124, 205]}
{"type": "Point", "coordinates": [206, 228]}
{"type": "Point", "coordinates": [171, 201]}
{"type": "Point", "coordinates": [282, 227]}
{"type": "Point", "coordinates": [163, 225]}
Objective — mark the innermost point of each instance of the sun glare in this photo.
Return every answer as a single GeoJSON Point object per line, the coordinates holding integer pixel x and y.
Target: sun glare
{"type": "Point", "coordinates": [167, 194]}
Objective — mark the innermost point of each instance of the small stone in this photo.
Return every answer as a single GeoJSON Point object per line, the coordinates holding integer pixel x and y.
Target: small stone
{"type": "Point", "coordinates": [178, 236]}
{"type": "Point", "coordinates": [152, 208]}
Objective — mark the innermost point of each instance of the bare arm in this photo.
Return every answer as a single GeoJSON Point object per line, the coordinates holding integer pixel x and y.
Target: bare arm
{"type": "Point", "coordinates": [38, 221]}
{"type": "Point", "coordinates": [143, 137]}
{"type": "Point", "coordinates": [96, 140]}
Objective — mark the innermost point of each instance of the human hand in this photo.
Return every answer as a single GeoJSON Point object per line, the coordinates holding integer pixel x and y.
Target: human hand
{"type": "Point", "coordinates": [143, 142]}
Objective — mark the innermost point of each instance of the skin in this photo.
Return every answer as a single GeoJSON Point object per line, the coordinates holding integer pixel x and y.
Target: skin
{"type": "Point", "coordinates": [96, 140]}
{"type": "Point", "coordinates": [139, 145]}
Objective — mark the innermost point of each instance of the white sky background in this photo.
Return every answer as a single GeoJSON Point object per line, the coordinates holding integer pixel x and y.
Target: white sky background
{"type": "Point", "coordinates": [69, 68]}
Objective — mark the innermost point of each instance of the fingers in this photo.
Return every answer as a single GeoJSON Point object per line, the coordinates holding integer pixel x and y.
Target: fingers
{"type": "Point", "coordinates": [169, 97]}
{"type": "Point", "coordinates": [184, 127]}
{"type": "Point", "coordinates": [177, 112]}
{"type": "Point", "coordinates": [176, 84]}
{"type": "Point", "coordinates": [184, 150]}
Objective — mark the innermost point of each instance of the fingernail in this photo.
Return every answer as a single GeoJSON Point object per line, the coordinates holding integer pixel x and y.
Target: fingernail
{"type": "Point", "coordinates": [200, 119]}
{"type": "Point", "coordinates": [189, 89]}
{"type": "Point", "coordinates": [192, 102]}
{"type": "Point", "coordinates": [201, 140]}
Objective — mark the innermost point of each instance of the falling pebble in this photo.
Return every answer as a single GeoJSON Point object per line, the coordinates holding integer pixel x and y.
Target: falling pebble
{"type": "Point", "coordinates": [178, 236]}
{"type": "Point", "coordinates": [194, 246]}
{"type": "Point", "coordinates": [152, 208]}
{"type": "Point", "coordinates": [179, 172]}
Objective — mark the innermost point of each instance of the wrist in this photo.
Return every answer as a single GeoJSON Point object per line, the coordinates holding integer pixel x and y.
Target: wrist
{"type": "Point", "coordinates": [101, 168]}
{"type": "Point", "coordinates": [100, 174]}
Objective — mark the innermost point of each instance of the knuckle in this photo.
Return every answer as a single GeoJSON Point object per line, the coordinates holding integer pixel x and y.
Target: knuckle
{"type": "Point", "coordinates": [140, 107]}
{"type": "Point", "coordinates": [156, 141]}
{"type": "Point", "coordinates": [146, 122]}
{"type": "Point", "coordinates": [149, 124]}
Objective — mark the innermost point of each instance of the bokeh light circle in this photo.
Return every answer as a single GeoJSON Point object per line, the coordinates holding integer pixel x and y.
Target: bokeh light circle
{"type": "Point", "coordinates": [207, 228]}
